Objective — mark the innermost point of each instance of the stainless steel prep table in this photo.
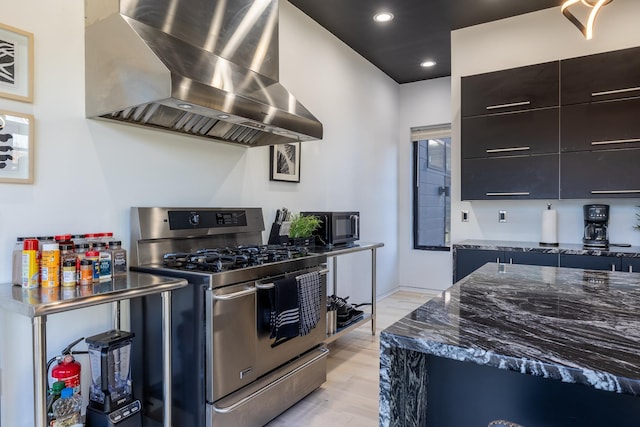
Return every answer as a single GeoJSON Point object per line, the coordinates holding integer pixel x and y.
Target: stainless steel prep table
{"type": "Point", "coordinates": [334, 253]}
{"type": "Point", "coordinates": [38, 303]}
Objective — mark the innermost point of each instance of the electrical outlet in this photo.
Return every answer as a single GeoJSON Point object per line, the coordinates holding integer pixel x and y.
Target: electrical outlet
{"type": "Point", "coordinates": [465, 216]}
{"type": "Point", "coordinates": [502, 216]}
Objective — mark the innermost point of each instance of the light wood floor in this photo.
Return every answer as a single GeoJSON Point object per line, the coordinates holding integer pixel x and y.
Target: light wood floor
{"type": "Point", "coordinates": [349, 397]}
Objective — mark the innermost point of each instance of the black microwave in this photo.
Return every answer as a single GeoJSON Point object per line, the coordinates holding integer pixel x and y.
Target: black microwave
{"type": "Point", "coordinates": [337, 228]}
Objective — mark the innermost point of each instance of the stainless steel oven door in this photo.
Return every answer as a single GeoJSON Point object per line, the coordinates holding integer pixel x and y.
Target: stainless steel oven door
{"type": "Point", "coordinates": [272, 356]}
{"type": "Point", "coordinates": [231, 339]}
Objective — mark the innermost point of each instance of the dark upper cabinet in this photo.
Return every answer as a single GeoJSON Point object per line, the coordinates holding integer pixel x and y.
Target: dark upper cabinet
{"type": "Point", "coordinates": [600, 77]}
{"type": "Point", "coordinates": [533, 86]}
{"type": "Point", "coordinates": [520, 133]}
{"type": "Point", "coordinates": [600, 174]}
{"type": "Point", "coordinates": [601, 125]}
{"type": "Point", "coordinates": [525, 177]}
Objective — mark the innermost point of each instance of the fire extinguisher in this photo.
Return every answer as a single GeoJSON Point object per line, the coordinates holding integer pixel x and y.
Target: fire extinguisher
{"type": "Point", "coordinates": [67, 369]}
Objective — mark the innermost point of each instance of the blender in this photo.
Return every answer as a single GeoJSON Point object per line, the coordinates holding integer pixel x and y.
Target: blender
{"type": "Point", "coordinates": [111, 401]}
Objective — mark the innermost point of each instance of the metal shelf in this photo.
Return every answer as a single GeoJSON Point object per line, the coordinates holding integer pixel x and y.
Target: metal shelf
{"type": "Point", "coordinates": [341, 331]}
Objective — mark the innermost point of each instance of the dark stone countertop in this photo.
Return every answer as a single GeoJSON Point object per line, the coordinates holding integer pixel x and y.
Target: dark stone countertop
{"type": "Point", "coordinates": [562, 248]}
{"type": "Point", "coordinates": [573, 325]}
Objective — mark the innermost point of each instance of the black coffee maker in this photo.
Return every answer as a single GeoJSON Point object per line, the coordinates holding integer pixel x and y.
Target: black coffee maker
{"type": "Point", "coordinates": [596, 224]}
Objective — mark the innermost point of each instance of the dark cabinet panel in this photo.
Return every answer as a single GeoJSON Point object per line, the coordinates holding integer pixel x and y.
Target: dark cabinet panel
{"type": "Point", "coordinates": [531, 258]}
{"type": "Point", "coordinates": [590, 262]}
{"type": "Point", "coordinates": [631, 265]}
{"type": "Point", "coordinates": [469, 260]}
{"type": "Point", "coordinates": [600, 77]}
{"type": "Point", "coordinates": [601, 125]}
{"type": "Point", "coordinates": [525, 177]}
{"type": "Point", "coordinates": [600, 174]}
{"type": "Point", "coordinates": [525, 132]}
{"type": "Point", "coordinates": [533, 86]}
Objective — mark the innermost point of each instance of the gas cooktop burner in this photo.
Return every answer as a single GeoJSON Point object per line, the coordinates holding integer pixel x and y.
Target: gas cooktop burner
{"type": "Point", "coordinates": [223, 259]}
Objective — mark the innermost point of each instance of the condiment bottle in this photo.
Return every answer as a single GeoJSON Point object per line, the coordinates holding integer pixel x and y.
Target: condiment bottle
{"type": "Point", "coordinates": [50, 265]}
{"type": "Point", "coordinates": [54, 395]}
{"type": "Point", "coordinates": [16, 258]}
{"type": "Point", "coordinates": [30, 266]}
{"type": "Point", "coordinates": [81, 250]}
{"type": "Point", "coordinates": [67, 258]}
{"type": "Point", "coordinates": [86, 272]}
{"type": "Point", "coordinates": [105, 260]}
{"type": "Point", "coordinates": [94, 257]}
{"type": "Point", "coordinates": [69, 275]}
{"type": "Point", "coordinates": [118, 258]}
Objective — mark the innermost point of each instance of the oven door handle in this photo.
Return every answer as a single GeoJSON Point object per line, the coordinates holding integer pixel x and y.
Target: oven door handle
{"type": "Point", "coordinates": [234, 295]}
{"type": "Point", "coordinates": [271, 285]}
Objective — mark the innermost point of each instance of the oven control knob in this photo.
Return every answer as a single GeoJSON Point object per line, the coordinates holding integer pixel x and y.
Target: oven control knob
{"type": "Point", "coordinates": [194, 218]}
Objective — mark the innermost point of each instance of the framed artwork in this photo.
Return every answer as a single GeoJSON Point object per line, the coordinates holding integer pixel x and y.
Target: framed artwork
{"type": "Point", "coordinates": [16, 64]}
{"type": "Point", "coordinates": [16, 147]}
{"type": "Point", "coordinates": [285, 162]}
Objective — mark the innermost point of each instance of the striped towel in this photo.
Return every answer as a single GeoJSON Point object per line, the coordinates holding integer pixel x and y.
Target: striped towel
{"type": "Point", "coordinates": [309, 297]}
{"type": "Point", "coordinates": [285, 314]}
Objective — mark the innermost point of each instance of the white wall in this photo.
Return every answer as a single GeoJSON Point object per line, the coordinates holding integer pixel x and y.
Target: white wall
{"type": "Point", "coordinates": [89, 173]}
{"type": "Point", "coordinates": [423, 103]}
{"type": "Point", "coordinates": [523, 40]}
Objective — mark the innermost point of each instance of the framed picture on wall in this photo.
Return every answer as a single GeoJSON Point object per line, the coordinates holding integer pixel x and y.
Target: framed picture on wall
{"type": "Point", "coordinates": [16, 64]}
{"type": "Point", "coordinates": [285, 162]}
{"type": "Point", "coordinates": [16, 148]}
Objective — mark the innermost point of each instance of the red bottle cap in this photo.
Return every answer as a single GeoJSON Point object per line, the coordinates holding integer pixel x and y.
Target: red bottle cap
{"type": "Point", "coordinates": [62, 237]}
{"type": "Point", "coordinates": [30, 245]}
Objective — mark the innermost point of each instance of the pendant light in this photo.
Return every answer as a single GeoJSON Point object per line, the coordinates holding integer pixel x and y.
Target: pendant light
{"type": "Point", "coordinates": [594, 5]}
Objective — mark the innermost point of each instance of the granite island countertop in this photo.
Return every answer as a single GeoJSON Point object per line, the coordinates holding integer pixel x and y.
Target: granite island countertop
{"type": "Point", "coordinates": [572, 325]}
{"type": "Point", "coordinates": [565, 325]}
{"type": "Point", "coordinates": [562, 248]}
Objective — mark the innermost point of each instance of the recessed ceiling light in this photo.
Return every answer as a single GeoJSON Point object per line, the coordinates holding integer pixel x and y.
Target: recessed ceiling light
{"type": "Point", "coordinates": [383, 17]}
{"type": "Point", "coordinates": [223, 116]}
{"type": "Point", "coordinates": [427, 64]}
{"type": "Point", "coordinates": [185, 106]}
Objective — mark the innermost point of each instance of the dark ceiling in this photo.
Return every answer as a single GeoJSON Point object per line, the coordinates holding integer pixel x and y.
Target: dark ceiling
{"type": "Point", "coordinates": [419, 31]}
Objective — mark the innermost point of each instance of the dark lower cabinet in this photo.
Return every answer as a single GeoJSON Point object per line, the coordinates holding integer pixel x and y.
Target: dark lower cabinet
{"type": "Point", "coordinates": [511, 178]}
{"type": "Point", "coordinates": [531, 258]}
{"type": "Point", "coordinates": [590, 262]}
{"type": "Point", "coordinates": [600, 174]}
{"type": "Point", "coordinates": [469, 260]}
{"type": "Point", "coordinates": [630, 265]}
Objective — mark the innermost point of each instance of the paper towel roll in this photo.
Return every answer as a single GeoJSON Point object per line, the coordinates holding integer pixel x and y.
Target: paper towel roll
{"type": "Point", "coordinates": [549, 227]}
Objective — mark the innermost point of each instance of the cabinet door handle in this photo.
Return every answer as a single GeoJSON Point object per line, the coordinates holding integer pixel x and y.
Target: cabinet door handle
{"type": "Point", "coordinates": [616, 141]}
{"type": "Point", "coordinates": [506, 150]}
{"type": "Point", "coordinates": [513, 104]}
{"type": "Point", "coordinates": [615, 191]}
{"type": "Point", "coordinates": [630, 269]}
{"type": "Point", "coordinates": [615, 91]}
{"type": "Point", "coordinates": [522, 193]}
{"type": "Point", "coordinates": [613, 267]}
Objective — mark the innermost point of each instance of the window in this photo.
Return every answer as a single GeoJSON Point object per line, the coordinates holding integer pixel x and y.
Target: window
{"type": "Point", "coordinates": [431, 187]}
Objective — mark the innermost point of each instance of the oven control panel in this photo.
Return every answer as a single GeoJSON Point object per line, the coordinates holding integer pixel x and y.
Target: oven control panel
{"type": "Point", "coordinates": [188, 220]}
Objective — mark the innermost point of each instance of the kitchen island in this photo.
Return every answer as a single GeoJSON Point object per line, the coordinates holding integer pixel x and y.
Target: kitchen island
{"type": "Point", "coordinates": [536, 346]}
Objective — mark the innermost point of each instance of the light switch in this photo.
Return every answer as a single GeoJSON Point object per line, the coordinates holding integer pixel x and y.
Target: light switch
{"type": "Point", "coordinates": [502, 216]}
{"type": "Point", "coordinates": [465, 216]}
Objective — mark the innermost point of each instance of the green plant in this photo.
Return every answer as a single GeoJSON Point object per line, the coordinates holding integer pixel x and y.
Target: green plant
{"type": "Point", "coordinates": [303, 226]}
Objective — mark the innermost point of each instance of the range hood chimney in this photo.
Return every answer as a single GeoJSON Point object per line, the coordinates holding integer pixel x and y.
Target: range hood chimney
{"type": "Point", "coordinates": [206, 68]}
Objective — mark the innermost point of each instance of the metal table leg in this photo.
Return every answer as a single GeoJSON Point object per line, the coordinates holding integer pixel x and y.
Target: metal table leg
{"type": "Point", "coordinates": [166, 356]}
{"type": "Point", "coordinates": [39, 337]}
{"type": "Point", "coordinates": [373, 291]}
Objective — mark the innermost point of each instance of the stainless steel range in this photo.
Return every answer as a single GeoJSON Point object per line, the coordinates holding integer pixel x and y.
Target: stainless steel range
{"type": "Point", "coordinates": [228, 367]}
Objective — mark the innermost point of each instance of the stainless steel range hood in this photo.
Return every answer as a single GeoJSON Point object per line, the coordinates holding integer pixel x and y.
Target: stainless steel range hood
{"type": "Point", "coordinates": [206, 68]}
